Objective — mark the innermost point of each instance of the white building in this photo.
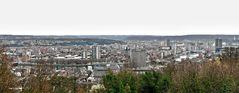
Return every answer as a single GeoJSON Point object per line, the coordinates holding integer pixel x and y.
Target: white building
{"type": "Point", "coordinates": [96, 52]}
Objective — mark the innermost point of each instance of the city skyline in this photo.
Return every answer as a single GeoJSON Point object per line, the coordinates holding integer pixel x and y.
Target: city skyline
{"type": "Point", "coordinates": [119, 46]}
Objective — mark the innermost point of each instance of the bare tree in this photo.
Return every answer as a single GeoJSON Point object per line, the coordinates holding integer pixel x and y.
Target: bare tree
{"type": "Point", "coordinates": [8, 82]}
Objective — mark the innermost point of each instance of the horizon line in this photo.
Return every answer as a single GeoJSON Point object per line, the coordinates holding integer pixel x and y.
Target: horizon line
{"type": "Point", "coordinates": [111, 35]}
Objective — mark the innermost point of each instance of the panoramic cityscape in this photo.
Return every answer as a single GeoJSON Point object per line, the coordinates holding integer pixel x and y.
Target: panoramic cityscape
{"type": "Point", "coordinates": [126, 46]}
{"type": "Point", "coordinates": [88, 59]}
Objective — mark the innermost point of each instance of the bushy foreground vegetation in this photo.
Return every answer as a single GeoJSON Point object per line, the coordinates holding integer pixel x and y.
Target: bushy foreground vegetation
{"type": "Point", "coordinates": [211, 77]}
{"type": "Point", "coordinates": [129, 82]}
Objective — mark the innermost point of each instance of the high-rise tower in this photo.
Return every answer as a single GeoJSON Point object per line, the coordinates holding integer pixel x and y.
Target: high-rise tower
{"type": "Point", "coordinates": [218, 44]}
{"type": "Point", "coordinates": [96, 52]}
{"type": "Point", "coordinates": [168, 43]}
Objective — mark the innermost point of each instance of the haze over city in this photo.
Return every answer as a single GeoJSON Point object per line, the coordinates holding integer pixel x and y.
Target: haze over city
{"type": "Point", "coordinates": [124, 17]}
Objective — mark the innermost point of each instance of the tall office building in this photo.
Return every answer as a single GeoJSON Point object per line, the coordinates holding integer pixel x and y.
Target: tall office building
{"type": "Point", "coordinates": [96, 52]}
{"type": "Point", "coordinates": [168, 43]}
{"type": "Point", "coordinates": [218, 45]}
{"type": "Point", "coordinates": [84, 54]}
{"type": "Point", "coordinates": [138, 58]}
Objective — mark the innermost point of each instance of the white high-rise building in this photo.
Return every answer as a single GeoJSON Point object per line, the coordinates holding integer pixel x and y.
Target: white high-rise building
{"type": "Point", "coordinates": [84, 54]}
{"type": "Point", "coordinates": [96, 52]}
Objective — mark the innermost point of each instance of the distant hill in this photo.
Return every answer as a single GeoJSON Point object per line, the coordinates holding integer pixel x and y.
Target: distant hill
{"type": "Point", "coordinates": [183, 37]}
{"type": "Point", "coordinates": [76, 39]}
{"type": "Point", "coordinates": [120, 37]}
{"type": "Point", "coordinates": [155, 37]}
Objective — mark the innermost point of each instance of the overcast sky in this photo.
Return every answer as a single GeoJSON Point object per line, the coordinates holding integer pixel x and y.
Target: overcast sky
{"type": "Point", "coordinates": [119, 17]}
